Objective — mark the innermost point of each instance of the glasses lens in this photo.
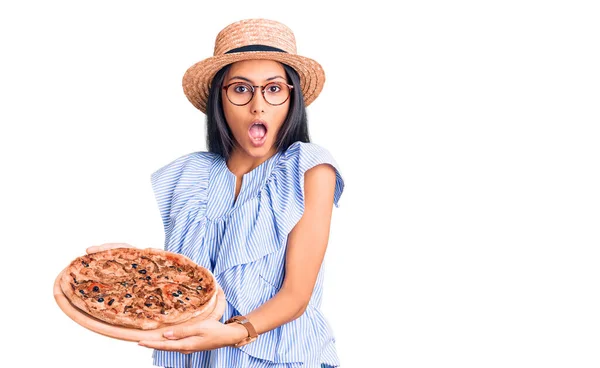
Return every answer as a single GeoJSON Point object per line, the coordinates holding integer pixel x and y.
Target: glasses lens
{"type": "Point", "coordinates": [276, 93]}
{"type": "Point", "coordinates": [239, 93]}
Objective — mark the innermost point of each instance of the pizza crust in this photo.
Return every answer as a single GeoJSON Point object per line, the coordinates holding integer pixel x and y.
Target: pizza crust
{"type": "Point", "coordinates": [139, 288]}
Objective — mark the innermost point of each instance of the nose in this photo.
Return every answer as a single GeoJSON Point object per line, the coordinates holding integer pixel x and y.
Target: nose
{"type": "Point", "coordinates": [258, 102]}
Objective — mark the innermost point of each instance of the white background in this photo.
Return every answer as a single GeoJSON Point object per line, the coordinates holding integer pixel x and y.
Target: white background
{"type": "Point", "coordinates": [467, 133]}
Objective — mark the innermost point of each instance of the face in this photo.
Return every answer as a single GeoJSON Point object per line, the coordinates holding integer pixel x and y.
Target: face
{"type": "Point", "coordinates": [255, 125]}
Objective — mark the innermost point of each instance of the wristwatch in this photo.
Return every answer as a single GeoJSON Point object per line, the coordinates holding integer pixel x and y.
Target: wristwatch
{"type": "Point", "coordinates": [252, 335]}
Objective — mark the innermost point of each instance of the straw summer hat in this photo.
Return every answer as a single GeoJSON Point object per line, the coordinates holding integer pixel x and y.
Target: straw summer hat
{"type": "Point", "coordinates": [248, 40]}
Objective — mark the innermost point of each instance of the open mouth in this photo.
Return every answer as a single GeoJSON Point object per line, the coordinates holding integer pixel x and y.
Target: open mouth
{"type": "Point", "coordinates": [258, 133]}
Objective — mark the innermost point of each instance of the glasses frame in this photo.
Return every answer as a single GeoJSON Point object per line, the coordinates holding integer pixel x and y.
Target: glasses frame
{"type": "Point", "coordinates": [262, 90]}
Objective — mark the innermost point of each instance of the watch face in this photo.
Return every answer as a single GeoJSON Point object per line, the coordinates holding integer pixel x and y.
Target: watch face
{"type": "Point", "coordinates": [239, 319]}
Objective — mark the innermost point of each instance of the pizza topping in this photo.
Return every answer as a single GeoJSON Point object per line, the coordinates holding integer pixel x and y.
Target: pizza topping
{"type": "Point", "coordinates": [154, 264]}
{"type": "Point", "coordinates": [158, 288]}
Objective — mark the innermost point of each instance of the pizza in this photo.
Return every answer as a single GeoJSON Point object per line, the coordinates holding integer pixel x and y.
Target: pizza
{"type": "Point", "coordinates": [139, 288]}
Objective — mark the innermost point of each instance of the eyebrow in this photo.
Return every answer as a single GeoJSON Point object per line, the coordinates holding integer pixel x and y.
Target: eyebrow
{"type": "Point", "coordinates": [249, 81]}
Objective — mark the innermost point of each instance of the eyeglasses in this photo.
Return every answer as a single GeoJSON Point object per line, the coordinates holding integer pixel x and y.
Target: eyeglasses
{"type": "Point", "coordinates": [240, 93]}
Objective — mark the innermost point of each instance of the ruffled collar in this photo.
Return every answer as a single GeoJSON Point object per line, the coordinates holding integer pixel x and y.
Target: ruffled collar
{"type": "Point", "coordinates": [221, 177]}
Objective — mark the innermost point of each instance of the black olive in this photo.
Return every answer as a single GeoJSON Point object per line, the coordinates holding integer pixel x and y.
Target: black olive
{"type": "Point", "coordinates": [111, 301]}
{"type": "Point", "coordinates": [96, 289]}
{"type": "Point", "coordinates": [143, 272]}
{"type": "Point", "coordinates": [148, 304]}
{"type": "Point", "coordinates": [81, 291]}
{"type": "Point", "coordinates": [166, 277]}
{"type": "Point", "coordinates": [100, 300]}
{"type": "Point", "coordinates": [186, 298]}
{"type": "Point", "coordinates": [175, 294]}
{"type": "Point", "coordinates": [201, 279]}
{"type": "Point", "coordinates": [84, 264]}
{"type": "Point", "coordinates": [134, 265]}
{"type": "Point", "coordinates": [179, 269]}
{"type": "Point", "coordinates": [179, 292]}
{"type": "Point", "coordinates": [148, 277]}
{"type": "Point", "coordinates": [198, 287]}
{"type": "Point", "coordinates": [124, 284]}
{"type": "Point", "coordinates": [128, 295]}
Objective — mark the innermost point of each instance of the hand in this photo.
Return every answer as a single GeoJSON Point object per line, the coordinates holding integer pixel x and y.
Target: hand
{"type": "Point", "coordinates": [107, 246]}
{"type": "Point", "coordinates": [207, 334]}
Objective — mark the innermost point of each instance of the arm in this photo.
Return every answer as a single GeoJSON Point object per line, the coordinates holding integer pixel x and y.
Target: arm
{"type": "Point", "coordinates": [306, 247]}
{"type": "Point", "coordinates": [305, 251]}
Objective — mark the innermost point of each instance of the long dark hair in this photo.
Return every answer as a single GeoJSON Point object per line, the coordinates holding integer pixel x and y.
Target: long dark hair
{"type": "Point", "coordinates": [218, 135]}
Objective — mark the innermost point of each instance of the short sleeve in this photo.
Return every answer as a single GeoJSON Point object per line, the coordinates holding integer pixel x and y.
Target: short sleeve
{"type": "Point", "coordinates": [287, 184]}
{"type": "Point", "coordinates": [179, 181]}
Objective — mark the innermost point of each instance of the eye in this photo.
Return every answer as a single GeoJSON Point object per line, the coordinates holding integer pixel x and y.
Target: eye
{"type": "Point", "coordinates": [273, 88]}
{"type": "Point", "coordinates": [241, 88]}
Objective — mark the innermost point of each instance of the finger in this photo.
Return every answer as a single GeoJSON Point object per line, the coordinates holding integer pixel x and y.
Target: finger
{"type": "Point", "coordinates": [106, 246]}
{"type": "Point", "coordinates": [181, 346]}
{"type": "Point", "coordinates": [182, 331]}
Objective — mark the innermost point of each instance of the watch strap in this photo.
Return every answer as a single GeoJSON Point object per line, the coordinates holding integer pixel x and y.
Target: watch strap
{"type": "Point", "coordinates": [242, 320]}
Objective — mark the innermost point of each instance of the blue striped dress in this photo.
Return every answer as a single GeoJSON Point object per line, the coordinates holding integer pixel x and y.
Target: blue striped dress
{"type": "Point", "coordinates": [243, 243]}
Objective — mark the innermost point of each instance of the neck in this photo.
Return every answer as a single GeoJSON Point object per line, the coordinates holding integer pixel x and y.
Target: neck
{"type": "Point", "coordinates": [240, 162]}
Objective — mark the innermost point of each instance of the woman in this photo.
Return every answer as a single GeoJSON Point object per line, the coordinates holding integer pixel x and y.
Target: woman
{"type": "Point", "coordinates": [255, 209]}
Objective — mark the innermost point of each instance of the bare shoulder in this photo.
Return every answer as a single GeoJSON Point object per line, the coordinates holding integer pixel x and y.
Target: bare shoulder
{"type": "Point", "coordinates": [319, 180]}
{"type": "Point", "coordinates": [321, 172]}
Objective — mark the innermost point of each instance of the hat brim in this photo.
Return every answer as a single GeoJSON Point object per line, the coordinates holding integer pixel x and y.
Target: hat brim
{"type": "Point", "coordinates": [198, 78]}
